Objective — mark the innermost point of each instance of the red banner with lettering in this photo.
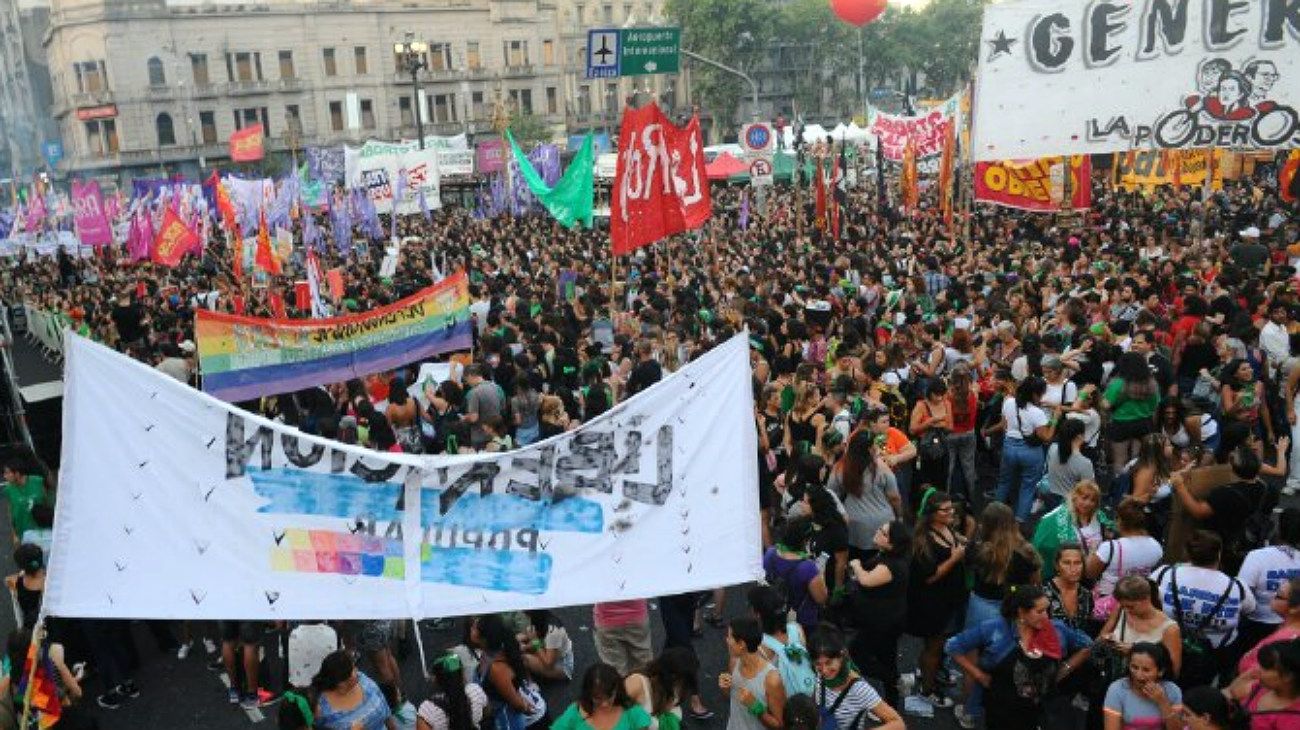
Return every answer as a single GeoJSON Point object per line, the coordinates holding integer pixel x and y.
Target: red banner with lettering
{"type": "Point", "coordinates": [173, 240]}
{"type": "Point", "coordinates": [660, 187]}
{"type": "Point", "coordinates": [1035, 185]}
{"type": "Point", "coordinates": [246, 144]}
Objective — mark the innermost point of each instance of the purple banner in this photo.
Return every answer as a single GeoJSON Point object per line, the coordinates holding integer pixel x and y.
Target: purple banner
{"type": "Point", "coordinates": [88, 205]}
{"type": "Point", "coordinates": [490, 155]}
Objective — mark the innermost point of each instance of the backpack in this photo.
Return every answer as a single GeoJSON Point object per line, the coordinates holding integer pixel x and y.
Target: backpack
{"type": "Point", "coordinates": [792, 662]}
{"type": "Point", "coordinates": [780, 582]}
{"type": "Point", "coordinates": [1199, 663]}
{"type": "Point", "coordinates": [826, 715]}
{"type": "Point", "coordinates": [932, 447]}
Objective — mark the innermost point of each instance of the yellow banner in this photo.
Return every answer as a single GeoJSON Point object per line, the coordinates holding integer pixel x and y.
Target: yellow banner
{"type": "Point", "coordinates": [1148, 169]}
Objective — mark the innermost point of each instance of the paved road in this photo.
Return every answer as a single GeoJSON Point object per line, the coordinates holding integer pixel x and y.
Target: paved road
{"type": "Point", "coordinates": [185, 694]}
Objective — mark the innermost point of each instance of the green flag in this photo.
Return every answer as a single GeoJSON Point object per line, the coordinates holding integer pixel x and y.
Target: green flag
{"type": "Point", "coordinates": [570, 201]}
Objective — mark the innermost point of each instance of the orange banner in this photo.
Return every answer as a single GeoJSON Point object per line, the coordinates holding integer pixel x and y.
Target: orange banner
{"type": "Point", "coordinates": [1037, 185]}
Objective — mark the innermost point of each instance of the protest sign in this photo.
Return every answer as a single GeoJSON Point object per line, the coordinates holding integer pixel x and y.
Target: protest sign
{"type": "Point", "coordinates": [185, 507]}
{"type": "Point", "coordinates": [384, 170]}
{"type": "Point", "coordinates": [1079, 77]}
{"type": "Point", "coordinates": [92, 224]}
{"type": "Point", "coordinates": [1036, 185]}
{"type": "Point", "coordinates": [1146, 169]}
{"type": "Point", "coordinates": [250, 357]}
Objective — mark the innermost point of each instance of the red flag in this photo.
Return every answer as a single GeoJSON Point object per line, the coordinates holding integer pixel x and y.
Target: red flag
{"type": "Point", "coordinates": [173, 239]}
{"type": "Point", "coordinates": [263, 257]}
{"type": "Point", "coordinates": [276, 303]}
{"type": "Point", "coordinates": [660, 187]}
{"type": "Point", "coordinates": [246, 144]}
{"type": "Point", "coordinates": [334, 280]}
{"type": "Point", "coordinates": [302, 296]}
{"type": "Point", "coordinates": [238, 301]}
{"type": "Point", "coordinates": [224, 207]}
{"type": "Point", "coordinates": [237, 246]}
{"type": "Point", "coordinates": [820, 182]}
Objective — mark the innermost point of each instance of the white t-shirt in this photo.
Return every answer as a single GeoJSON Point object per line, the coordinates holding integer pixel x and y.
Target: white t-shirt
{"type": "Point", "coordinates": [557, 638]}
{"type": "Point", "coordinates": [1199, 590]}
{"type": "Point", "coordinates": [437, 718]}
{"type": "Point", "coordinates": [1091, 425]}
{"type": "Point", "coordinates": [1125, 556]}
{"type": "Point", "coordinates": [1264, 571]}
{"type": "Point", "coordinates": [309, 644]}
{"type": "Point", "coordinates": [1030, 419]}
{"type": "Point", "coordinates": [1064, 393]}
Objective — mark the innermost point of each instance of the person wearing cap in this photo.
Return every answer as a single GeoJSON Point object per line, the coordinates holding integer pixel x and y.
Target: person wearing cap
{"type": "Point", "coordinates": [1250, 255]}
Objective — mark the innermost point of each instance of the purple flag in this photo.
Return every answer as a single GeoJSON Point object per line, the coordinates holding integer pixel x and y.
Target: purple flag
{"type": "Point", "coordinates": [744, 210]}
{"type": "Point", "coordinates": [424, 207]}
{"type": "Point", "coordinates": [93, 227]}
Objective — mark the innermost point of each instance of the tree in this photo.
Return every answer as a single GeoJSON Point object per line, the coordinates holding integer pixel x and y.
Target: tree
{"type": "Point", "coordinates": [529, 130]}
{"type": "Point", "coordinates": [733, 32]}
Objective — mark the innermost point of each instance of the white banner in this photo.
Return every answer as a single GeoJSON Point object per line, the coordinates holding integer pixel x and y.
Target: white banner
{"type": "Point", "coordinates": [456, 162]}
{"type": "Point", "coordinates": [379, 172]}
{"type": "Point", "coordinates": [184, 507]}
{"type": "Point", "coordinates": [1086, 76]}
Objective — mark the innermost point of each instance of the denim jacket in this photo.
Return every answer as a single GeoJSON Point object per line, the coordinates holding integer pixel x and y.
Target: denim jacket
{"type": "Point", "coordinates": [996, 638]}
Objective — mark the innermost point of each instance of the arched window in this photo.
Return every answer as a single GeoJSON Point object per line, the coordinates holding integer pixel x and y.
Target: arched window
{"type": "Point", "coordinates": [156, 75]}
{"type": "Point", "coordinates": [166, 133]}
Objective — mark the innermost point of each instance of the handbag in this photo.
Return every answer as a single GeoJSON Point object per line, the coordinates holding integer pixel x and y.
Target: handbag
{"type": "Point", "coordinates": [1102, 606]}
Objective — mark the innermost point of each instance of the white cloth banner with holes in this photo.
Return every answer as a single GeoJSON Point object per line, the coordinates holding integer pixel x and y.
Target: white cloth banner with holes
{"type": "Point", "coordinates": [181, 506]}
{"type": "Point", "coordinates": [1086, 76]}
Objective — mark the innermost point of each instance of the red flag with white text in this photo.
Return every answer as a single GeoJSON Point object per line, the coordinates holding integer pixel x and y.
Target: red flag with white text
{"type": "Point", "coordinates": [660, 187]}
{"type": "Point", "coordinates": [173, 240]}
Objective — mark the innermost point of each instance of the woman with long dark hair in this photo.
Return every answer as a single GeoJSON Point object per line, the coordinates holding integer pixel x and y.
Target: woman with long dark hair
{"type": "Point", "coordinates": [347, 699]}
{"type": "Point", "coordinates": [603, 704]}
{"type": "Point", "coordinates": [1132, 398]}
{"type": "Point", "coordinates": [878, 606]}
{"type": "Point", "coordinates": [1028, 429]}
{"type": "Point", "coordinates": [937, 590]}
{"type": "Point", "coordinates": [964, 406]}
{"type": "Point", "coordinates": [1242, 398]}
{"type": "Point", "coordinates": [868, 490]}
{"type": "Point", "coordinates": [503, 675]}
{"type": "Point", "coordinates": [661, 686]}
{"type": "Point", "coordinates": [453, 703]}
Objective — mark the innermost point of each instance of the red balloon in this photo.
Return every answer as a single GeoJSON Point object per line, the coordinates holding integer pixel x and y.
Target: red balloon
{"type": "Point", "coordinates": [858, 12]}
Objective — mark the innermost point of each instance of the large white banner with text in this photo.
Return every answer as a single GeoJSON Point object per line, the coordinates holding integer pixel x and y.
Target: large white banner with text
{"type": "Point", "coordinates": [386, 170]}
{"type": "Point", "coordinates": [180, 506]}
{"type": "Point", "coordinates": [1085, 76]}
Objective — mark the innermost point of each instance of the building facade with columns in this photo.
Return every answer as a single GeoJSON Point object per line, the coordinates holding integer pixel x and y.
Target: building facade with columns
{"type": "Point", "coordinates": [159, 85]}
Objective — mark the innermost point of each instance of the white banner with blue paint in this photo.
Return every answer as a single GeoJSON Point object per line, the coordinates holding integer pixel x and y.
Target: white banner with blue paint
{"type": "Point", "coordinates": [180, 506]}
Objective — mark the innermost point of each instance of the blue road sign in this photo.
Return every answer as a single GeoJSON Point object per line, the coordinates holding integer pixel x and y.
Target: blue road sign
{"type": "Point", "coordinates": [603, 53]}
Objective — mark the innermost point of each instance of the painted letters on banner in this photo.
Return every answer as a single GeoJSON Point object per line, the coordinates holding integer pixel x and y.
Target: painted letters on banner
{"type": "Point", "coordinates": [1036, 185]}
{"type": "Point", "coordinates": [927, 131]}
{"type": "Point", "coordinates": [93, 227]}
{"type": "Point", "coordinates": [211, 512]}
{"type": "Point", "coordinates": [377, 173]}
{"type": "Point", "coordinates": [251, 357]}
{"type": "Point", "coordinates": [661, 187]}
{"type": "Point", "coordinates": [1080, 77]}
{"type": "Point", "coordinates": [1148, 169]}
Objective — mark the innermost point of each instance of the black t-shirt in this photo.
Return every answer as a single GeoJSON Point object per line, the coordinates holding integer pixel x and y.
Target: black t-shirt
{"type": "Point", "coordinates": [1233, 505]}
{"type": "Point", "coordinates": [830, 538]}
{"type": "Point", "coordinates": [1020, 572]}
{"type": "Point", "coordinates": [1249, 256]}
{"type": "Point", "coordinates": [882, 605]}
{"type": "Point", "coordinates": [645, 374]}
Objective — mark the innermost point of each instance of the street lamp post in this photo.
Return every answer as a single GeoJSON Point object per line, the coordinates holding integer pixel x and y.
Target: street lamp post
{"type": "Point", "coordinates": [411, 55]}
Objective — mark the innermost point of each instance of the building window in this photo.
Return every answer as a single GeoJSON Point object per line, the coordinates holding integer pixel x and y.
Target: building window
{"type": "Point", "coordinates": [444, 108]}
{"type": "Point", "coordinates": [611, 97]}
{"type": "Point", "coordinates": [607, 14]}
{"type": "Point", "coordinates": [522, 99]}
{"type": "Point", "coordinates": [367, 114]}
{"type": "Point", "coordinates": [331, 66]}
{"type": "Point", "coordinates": [199, 69]}
{"type": "Point", "coordinates": [476, 105]}
{"type": "Point", "coordinates": [293, 118]}
{"type": "Point", "coordinates": [440, 57]}
{"type": "Point", "coordinates": [584, 99]}
{"type": "Point", "coordinates": [157, 77]}
{"type": "Point", "coordinates": [336, 116]}
{"type": "Point", "coordinates": [92, 76]}
{"type": "Point", "coordinates": [248, 117]}
{"type": "Point", "coordinates": [552, 101]}
{"type": "Point", "coordinates": [582, 56]}
{"type": "Point", "coordinates": [473, 58]}
{"type": "Point", "coordinates": [548, 53]}
{"type": "Point", "coordinates": [359, 54]}
{"type": "Point", "coordinates": [516, 53]}
{"type": "Point", "coordinates": [405, 113]}
{"type": "Point", "coordinates": [166, 131]}
{"type": "Point", "coordinates": [286, 65]}
{"type": "Point", "coordinates": [208, 127]}
{"type": "Point", "coordinates": [244, 66]}
{"type": "Point", "coordinates": [101, 137]}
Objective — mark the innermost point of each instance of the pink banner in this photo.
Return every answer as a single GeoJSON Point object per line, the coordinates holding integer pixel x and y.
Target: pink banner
{"type": "Point", "coordinates": [93, 227]}
{"type": "Point", "coordinates": [491, 155]}
{"type": "Point", "coordinates": [927, 132]}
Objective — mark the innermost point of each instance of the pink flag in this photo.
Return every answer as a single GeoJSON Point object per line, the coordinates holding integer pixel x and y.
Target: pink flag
{"type": "Point", "coordinates": [35, 212]}
{"type": "Point", "coordinates": [92, 223]}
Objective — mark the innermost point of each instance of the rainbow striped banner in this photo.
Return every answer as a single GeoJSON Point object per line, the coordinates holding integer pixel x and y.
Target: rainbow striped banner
{"type": "Point", "coordinates": [242, 358]}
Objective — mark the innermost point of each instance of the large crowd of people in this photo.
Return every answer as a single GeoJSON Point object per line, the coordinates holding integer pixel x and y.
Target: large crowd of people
{"type": "Point", "coordinates": [1051, 451]}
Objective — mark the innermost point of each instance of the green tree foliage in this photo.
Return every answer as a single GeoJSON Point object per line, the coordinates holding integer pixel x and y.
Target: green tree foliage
{"type": "Point", "coordinates": [733, 32]}
{"type": "Point", "coordinates": [530, 130]}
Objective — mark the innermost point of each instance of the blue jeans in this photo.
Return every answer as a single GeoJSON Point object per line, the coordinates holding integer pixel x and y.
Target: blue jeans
{"type": "Point", "coordinates": [979, 610]}
{"type": "Point", "coordinates": [1022, 468]}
